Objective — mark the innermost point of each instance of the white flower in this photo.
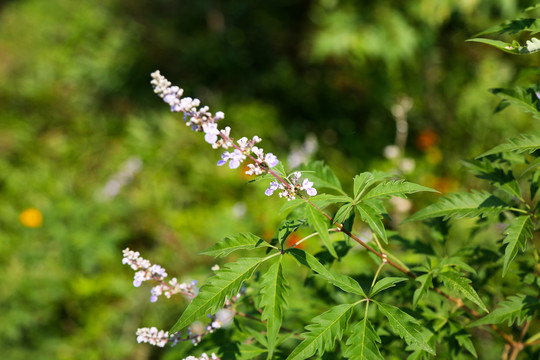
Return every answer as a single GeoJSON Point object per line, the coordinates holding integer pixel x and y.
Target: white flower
{"type": "Point", "coordinates": [271, 160]}
{"type": "Point", "coordinates": [211, 132]}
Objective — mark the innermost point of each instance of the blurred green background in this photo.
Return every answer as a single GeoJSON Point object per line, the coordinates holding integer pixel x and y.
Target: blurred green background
{"type": "Point", "coordinates": [91, 161]}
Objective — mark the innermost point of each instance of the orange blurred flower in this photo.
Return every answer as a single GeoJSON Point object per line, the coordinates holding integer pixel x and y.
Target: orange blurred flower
{"type": "Point", "coordinates": [292, 240]}
{"type": "Point", "coordinates": [426, 139]}
{"type": "Point", "coordinates": [243, 173]}
{"type": "Point", "coordinates": [446, 185]}
{"type": "Point", "coordinates": [31, 218]}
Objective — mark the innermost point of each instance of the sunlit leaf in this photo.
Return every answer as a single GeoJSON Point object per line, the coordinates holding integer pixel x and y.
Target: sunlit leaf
{"type": "Point", "coordinates": [225, 283]}
{"type": "Point", "coordinates": [286, 228]}
{"type": "Point", "coordinates": [343, 282]}
{"type": "Point", "coordinates": [514, 308]}
{"type": "Point", "coordinates": [532, 46]}
{"type": "Point", "coordinates": [322, 333]}
{"type": "Point", "coordinates": [373, 218]}
{"type": "Point", "coordinates": [343, 213]}
{"type": "Point", "coordinates": [273, 301]}
{"type": "Point", "coordinates": [324, 200]}
{"type": "Point", "coordinates": [405, 326]}
{"type": "Point", "coordinates": [426, 283]}
{"type": "Point", "coordinates": [385, 283]}
{"type": "Point", "coordinates": [462, 204]}
{"type": "Point", "coordinates": [517, 233]}
{"type": "Point", "coordinates": [462, 285]}
{"type": "Point", "coordinates": [363, 342]}
{"type": "Point", "coordinates": [320, 223]}
{"type": "Point", "coordinates": [525, 143]}
{"type": "Point", "coordinates": [246, 241]}
{"type": "Point", "coordinates": [322, 176]}
{"type": "Point", "coordinates": [400, 188]}
{"type": "Point", "coordinates": [464, 340]}
{"type": "Point", "coordinates": [515, 26]}
{"type": "Point", "coordinates": [498, 176]}
{"type": "Point", "coordinates": [249, 352]}
{"type": "Point", "coordinates": [365, 180]}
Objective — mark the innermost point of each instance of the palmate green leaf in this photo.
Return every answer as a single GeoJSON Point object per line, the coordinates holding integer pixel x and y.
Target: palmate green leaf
{"type": "Point", "coordinates": [532, 45]}
{"type": "Point", "coordinates": [532, 7]}
{"type": "Point", "coordinates": [464, 340]}
{"type": "Point", "coordinates": [248, 352]}
{"type": "Point", "coordinates": [343, 282]}
{"type": "Point", "coordinates": [461, 284]}
{"type": "Point", "coordinates": [322, 177]}
{"type": "Point", "coordinates": [525, 143]}
{"type": "Point", "coordinates": [323, 332]}
{"type": "Point", "coordinates": [514, 26]}
{"type": "Point", "coordinates": [400, 188]}
{"type": "Point", "coordinates": [373, 218]}
{"type": "Point", "coordinates": [405, 326]}
{"type": "Point", "coordinates": [385, 283]}
{"type": "Point", "coordinates": [497, 176]}
{"type": "Point", "coordinates": [273, 301]}
{"type": "Point", "coordinates": [515, 308]}
{"type": "Point", "coordinates": [517, 233]}
{"type": "Point", "coordinates": [426, 283]}
{"type": "Point", "coordinates": [525, 98]}
{"type": "Point", "coordinates": [286, 228]}
{"type": "Point", "coordinates": [343, 213]}
{"type": "Point", "coordinates": [320, 223]}
{"type": "Point", "coordinates": [533, 165]}
{"type": "Point", "coordinates": [462, 204]}
{"type": "Point", "coordinates": [363, 181]}
{"type": "Point", "coordinates": [225, 283]}
{"type": "Point", "coordinates": [226, 246]}
{"type": "Point", "coordinates": [362, 344]}
{"type": "Point", "coordinates": [324, 200]}
{"type": "Point", "coordinates": [289, 206]}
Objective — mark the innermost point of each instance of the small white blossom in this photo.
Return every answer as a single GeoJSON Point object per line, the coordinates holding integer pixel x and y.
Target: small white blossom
{"type": "Point", "coordinates": [152, 336]}
{"type": "Point", "coordinates": [211, 132]}
{"type": "Point", "coordinates": [204, 356]}
{"type": "Point", "coordinates": [290, 189]}
{"type": "Point", "coordinates": [145, 271]}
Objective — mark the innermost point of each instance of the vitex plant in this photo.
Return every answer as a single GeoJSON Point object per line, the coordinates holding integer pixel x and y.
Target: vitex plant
{"type": "Point", "coordinates": [455, 299]}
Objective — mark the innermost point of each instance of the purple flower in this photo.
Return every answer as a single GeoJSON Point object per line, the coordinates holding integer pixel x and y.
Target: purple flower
{"type": "Point", "coordinates": [308, 186]}
{"type": "Point", "coordinates": [273, 187]}
{"type": "Point", "coordinates": [235, 158]}
{"type": "Point", "coordinates": [224, 158]}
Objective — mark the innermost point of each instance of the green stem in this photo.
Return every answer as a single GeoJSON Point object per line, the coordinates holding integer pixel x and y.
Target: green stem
{"type": "Point", "coordinates": [376, 275]}
{"type": "Point", "coordinates": [308, 237]}
{"type": "Point", "coordinates": [519, 210]}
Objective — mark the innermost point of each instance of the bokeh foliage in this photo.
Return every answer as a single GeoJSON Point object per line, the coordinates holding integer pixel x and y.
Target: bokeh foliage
{"type": "Point", "coordinates": [76, 105]}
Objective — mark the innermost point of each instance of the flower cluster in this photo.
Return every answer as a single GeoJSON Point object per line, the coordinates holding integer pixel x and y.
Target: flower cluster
{"type": "Point", "coordinates": [145, 271]}
{"type": "Point", "coordinates": [152, 336]}
{"type": "Point", "coordinates": [200, 119]}
{"type": "Point", "coordinates": [203, 357]}
{"type": "Point", "coordinates": [290, 188]}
